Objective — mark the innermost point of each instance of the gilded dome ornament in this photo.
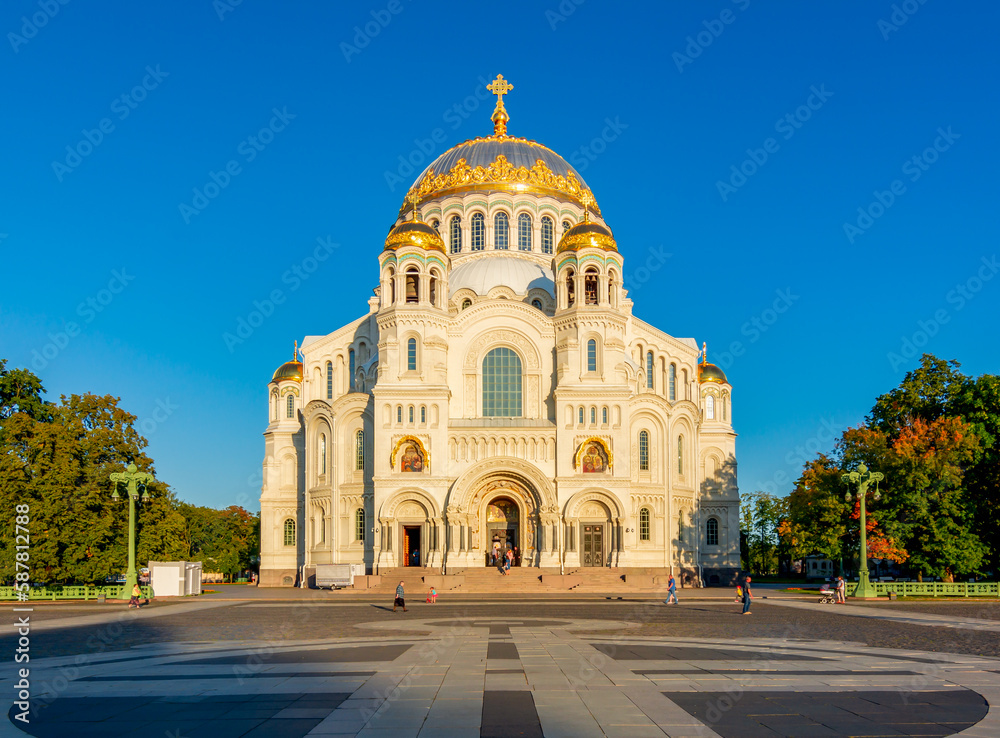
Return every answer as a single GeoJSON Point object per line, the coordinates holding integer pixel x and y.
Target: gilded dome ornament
{"type": "Point", "coordinates": [709, 372]}
{"type": "Point", "coordinates": [587, 234]}
{"type": "Point", "coordinates": [500, 87]}
{"type": "Point", "coordinates": [290, 369]}
{"type": "Point", "coordinates": [414, 232]}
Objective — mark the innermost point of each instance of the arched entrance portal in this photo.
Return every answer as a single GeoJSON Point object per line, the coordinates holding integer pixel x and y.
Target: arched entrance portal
{"type": "Point", "coordinates": [503, 519]}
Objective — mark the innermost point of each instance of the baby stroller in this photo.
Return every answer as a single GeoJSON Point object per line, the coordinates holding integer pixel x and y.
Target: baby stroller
{"type": "Point", "coordinates": [827, 595]}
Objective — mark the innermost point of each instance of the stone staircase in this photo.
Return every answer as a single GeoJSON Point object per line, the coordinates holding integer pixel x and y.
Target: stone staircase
{"type": "Point", "coordinates": [522, 580]}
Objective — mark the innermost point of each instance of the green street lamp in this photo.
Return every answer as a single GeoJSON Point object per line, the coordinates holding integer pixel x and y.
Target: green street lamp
{"type": "Point", "coordinates": [863, 478]}
{"type": "Point", "coordinates": [131, 478]}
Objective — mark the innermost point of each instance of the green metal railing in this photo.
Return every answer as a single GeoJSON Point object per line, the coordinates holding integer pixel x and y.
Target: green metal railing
{"type": "Point", "coordinates": [73, 592]}
{"type": "Point", "coordinates": [932, 589]}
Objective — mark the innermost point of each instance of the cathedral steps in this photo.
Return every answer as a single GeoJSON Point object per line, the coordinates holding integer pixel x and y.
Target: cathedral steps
{"type": "Point", "coordinates": [524, 580]}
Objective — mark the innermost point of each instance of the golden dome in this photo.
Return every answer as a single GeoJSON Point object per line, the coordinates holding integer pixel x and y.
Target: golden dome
{"type": "Point", "coordinates": [414, 233]}
{"type": "Point", "coordinates": [709, 372]}
{"type": "Point", "coordinates": [587, 234]}
{"type": "Point", "coordinates": [290, 369]}
{"type": "Point", "coordinates": [500, 163]}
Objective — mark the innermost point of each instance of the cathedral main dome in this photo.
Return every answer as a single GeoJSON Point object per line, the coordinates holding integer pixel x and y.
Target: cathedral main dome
{"type": "Point", "coordinates": [500, 163]}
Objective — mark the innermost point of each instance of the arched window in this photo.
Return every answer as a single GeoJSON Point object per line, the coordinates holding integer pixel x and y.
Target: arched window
{"type": "Point", "coordinates": [566, 225]}
{"type": "Point", "coordinates": [423, 414]}
{"type": "Point", "coordinates": [590, 287]}
{"type": "Point", "coordinates": [412, 286]}
{"type": "Point", "coordinates": [643, 450]}
{"type": "Point", "coordinates": [411, 355]}
{"type": "Point", "coordinates": [392, 286]}
{"type": "Point", "coordinates": [592, 355]}
{"type": "Point", "coordinates": [359, 450]}
{"type": "Point", "coordinates": [580, 415]}
{"type": "Point", "coordinates": [680, 455]}
{"type": "Point", "coordinates": [290, 406]}
{"type": "Point", "coordinates": [399, 413]}
{"type": "Point", "coordinates": [359, 524]}
{"type": "Point", "coordinates": [604, 416]}
{"type": "Point", "coordinates": [456, 235]}
{"type": "Point", "coordinates": [537, 304]}
{"type": "Point", "coordinates": [672, 382]}
{"type": "Point", "coordinates": [436, 225]}
{"type": "Point", "coordinates": [466, 303]}
{"type": "Point", "coordinates": [289, 532]}
{"type": "Point", "coordinates": [409, 413]}
{"type": "Point", "coordinates": [274, 405]}
{"type": "Point", "coordinates": [478, 232]}
{"type": "Point", "coordinates": [709, 407]}
{"type": "Point", "coordinates": [680, 526]}
{"type": "Point", "coordinates": [712, 532]}
{"type": "Point", "coordinates": [524, 232]}
{"type": "Point", "coordinates": [649, 370]}
{"type": "Point", "coordinates": [684, 381]}
{"type": "Point", "coordinates": [725, 407]}
{"type": "Point", "coordinates": [570, 288]}
{"type": "Point", "coordinates": [432, 291]}
{"type": "Point", "coordinates": [501, 231]}
{"type": "Point", "coordinates": [502, 384]}
{"type": "Point", "coordinates": [612, 289]}
{"type": "Point", "coordinates": [593, 416]}
{"type": "Point", "coordinates": [350, 368]}
{"type": "Point", "coordinates": [644, 524]}
{"type": "Point", "coordinates": [322, 453]}
{"type": "Point", "coordinates": [547, 235]}
{"type": "Point", "coordinates": [329, 380]}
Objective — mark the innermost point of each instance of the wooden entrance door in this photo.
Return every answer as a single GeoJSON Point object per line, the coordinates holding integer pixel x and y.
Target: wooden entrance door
{"type": "Point", "coordinates": [593, 545]}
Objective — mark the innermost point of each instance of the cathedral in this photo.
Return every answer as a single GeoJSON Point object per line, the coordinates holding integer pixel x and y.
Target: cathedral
{"type": "Point", "coordinates": [499, 393]}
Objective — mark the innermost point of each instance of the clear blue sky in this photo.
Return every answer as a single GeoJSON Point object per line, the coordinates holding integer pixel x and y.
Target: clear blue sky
{"type": "Point", "coordinates": [100, 240]}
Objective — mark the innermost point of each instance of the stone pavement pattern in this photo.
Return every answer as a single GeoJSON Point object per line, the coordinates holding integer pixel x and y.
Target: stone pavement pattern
{"type": "Point", "coordinates": [528, 676]}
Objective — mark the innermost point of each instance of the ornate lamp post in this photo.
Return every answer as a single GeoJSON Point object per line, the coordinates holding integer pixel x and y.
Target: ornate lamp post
{"type": "Point", "coordinates": [131, 478]}
{"type": "Point", "coordinates": [863, 478]}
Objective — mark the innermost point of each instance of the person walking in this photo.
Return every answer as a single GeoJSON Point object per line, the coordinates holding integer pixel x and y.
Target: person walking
{"type": "Point", "coordinates": [671, 591]}
{"type": "Point", "coordinates": [509, 556]}
{"type": "Point", "coordinates": [747, 596]}
{"type": "Point", "coordinates": [399, 601]}
{"type": "Point", "coordinates": [432, 596]}
{"type": "Point", "coordinates": [136, 594]}
{"type": "Point", "coordinates": [841, 590]}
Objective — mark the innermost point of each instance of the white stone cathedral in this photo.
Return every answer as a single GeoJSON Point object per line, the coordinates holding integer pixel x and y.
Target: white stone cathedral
{"type": "Point", "coordinates": [499, 392]}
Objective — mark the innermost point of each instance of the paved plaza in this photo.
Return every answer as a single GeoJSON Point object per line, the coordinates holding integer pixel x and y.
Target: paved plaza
{"type": "Point", "coordinates": [318, 665]}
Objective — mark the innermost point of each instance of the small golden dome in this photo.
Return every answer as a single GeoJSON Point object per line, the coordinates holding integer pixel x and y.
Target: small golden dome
{"type": "Point", "coordinates": [587, 234]}
{"type": "Point", "coordinates": [414, 233]}
{"type": "Point", "coordinates": [710, 372]}
{"type": "Point", "coordinates": [290, 369]}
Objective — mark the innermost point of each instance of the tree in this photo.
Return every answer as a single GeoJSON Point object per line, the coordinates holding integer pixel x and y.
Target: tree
{"type": "Point", "coordinates": [760, 516]}
{"type": "Point", "coordinates": [934, 437]}
{"type": "Point", "coordinates": [226, 541]}
{"type": "Point", "coordinates": [57, 459]}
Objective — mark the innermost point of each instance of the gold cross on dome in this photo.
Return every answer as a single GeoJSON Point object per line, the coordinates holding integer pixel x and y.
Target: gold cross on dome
{"type": "Point", "coordinates": [587, 199]}
{"type": "Point", "coordinates": [500, 87]}
{"type": "Point", "coordinates": [413, 199]}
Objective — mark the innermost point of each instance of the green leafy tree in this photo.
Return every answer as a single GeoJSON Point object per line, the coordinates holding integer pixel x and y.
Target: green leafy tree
{"type": "Point", "coordinates": [226, 541]}
{"type": "Point", "coordinates": [57, 459]}
{"type": "Point", "coordinates": [933, 437]}
{"type": "Point", "coordinates": [760, 515]}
